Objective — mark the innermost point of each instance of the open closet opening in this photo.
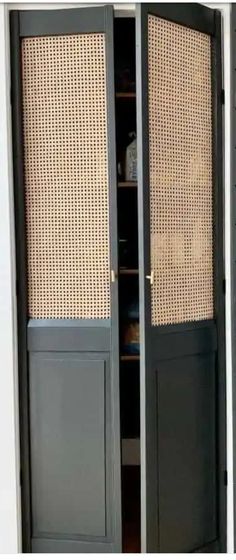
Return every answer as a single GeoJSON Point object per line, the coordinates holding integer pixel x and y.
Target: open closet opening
{"type": "Point", "coordinates": [78, 383]}
{"type": "Point", "coordinates": [125, 88]}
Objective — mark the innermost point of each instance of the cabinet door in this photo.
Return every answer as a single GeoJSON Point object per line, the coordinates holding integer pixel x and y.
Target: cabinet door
{"type": "Point", "coordinates": [181, 277]}
{"type": "Point", "coordinates": [65, 199]}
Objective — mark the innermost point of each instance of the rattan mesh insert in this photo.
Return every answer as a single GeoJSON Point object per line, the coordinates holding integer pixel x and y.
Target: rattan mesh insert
{"type": "Point", "coordinates": [66, 176]}
{"type": "Point", "coordinates": [180, 160]}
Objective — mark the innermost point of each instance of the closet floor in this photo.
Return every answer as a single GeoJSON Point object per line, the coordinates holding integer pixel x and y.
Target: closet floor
{"type": "Point", "coordinates": [131, 509]}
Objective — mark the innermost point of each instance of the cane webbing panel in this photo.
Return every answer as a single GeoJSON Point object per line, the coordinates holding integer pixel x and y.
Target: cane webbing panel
{"type": "Point", "coordinates": [180, 160]}
{"type": "Point", "coordinates": [66, 176]}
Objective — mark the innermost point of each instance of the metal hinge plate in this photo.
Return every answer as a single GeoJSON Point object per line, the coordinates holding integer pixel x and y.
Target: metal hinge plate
{"type": "Point", "coordinates": [226, 478]}
{"type": "Point", "coordinates": [224, 286]}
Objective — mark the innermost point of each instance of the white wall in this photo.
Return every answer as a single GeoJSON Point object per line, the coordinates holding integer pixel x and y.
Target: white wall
{"type": "Point", "coordinates": [9, 454]}
{"type": "Point", "coordinates": [10, 540]}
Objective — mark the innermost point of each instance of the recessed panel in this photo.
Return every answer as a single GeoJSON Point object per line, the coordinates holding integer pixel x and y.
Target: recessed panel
{"type": "Point", "coordinates": [186, 397]}
{"type": "Point", "coordinates": [68, 462]}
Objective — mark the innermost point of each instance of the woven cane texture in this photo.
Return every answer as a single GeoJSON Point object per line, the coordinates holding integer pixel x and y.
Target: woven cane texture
{"type": "Point", "coordinates": [180, 160]}
{"type": "Point", "coordinates": [66, 176]}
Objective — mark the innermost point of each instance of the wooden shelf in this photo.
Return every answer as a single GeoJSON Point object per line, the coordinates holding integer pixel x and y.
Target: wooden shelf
{"type": "Point", "coordinates": [126, 95]}
{"type": "Point", "coordinates": [123, 184]}
{"type": "Point", "coordinates": [128, 271]}
{"type": "Point", "coordinates": [130, 358]}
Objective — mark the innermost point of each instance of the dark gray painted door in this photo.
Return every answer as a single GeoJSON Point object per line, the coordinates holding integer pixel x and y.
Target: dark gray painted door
{"type": "Point", "coordinates": [65, 195]}
{"type": "Point", "coordinates": [181, 278]}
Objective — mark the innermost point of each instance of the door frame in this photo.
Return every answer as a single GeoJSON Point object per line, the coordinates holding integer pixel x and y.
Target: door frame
{"type": "Point", "coordinates": [233, 239]}
{"type": "Point", "coordinates": [185, 14]}
{"type": "Point", "coordinates": [10, 528]}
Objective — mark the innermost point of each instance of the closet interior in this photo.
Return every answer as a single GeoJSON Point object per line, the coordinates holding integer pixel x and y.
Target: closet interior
{"type": "Point", "coordinates": [125, 91]}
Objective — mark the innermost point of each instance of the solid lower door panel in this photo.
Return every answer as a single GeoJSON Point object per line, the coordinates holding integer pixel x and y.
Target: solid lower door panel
{"type": "Point", "coordinates": [70, 451]}
{"type": "Point", "coordinates": [186, 453]}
